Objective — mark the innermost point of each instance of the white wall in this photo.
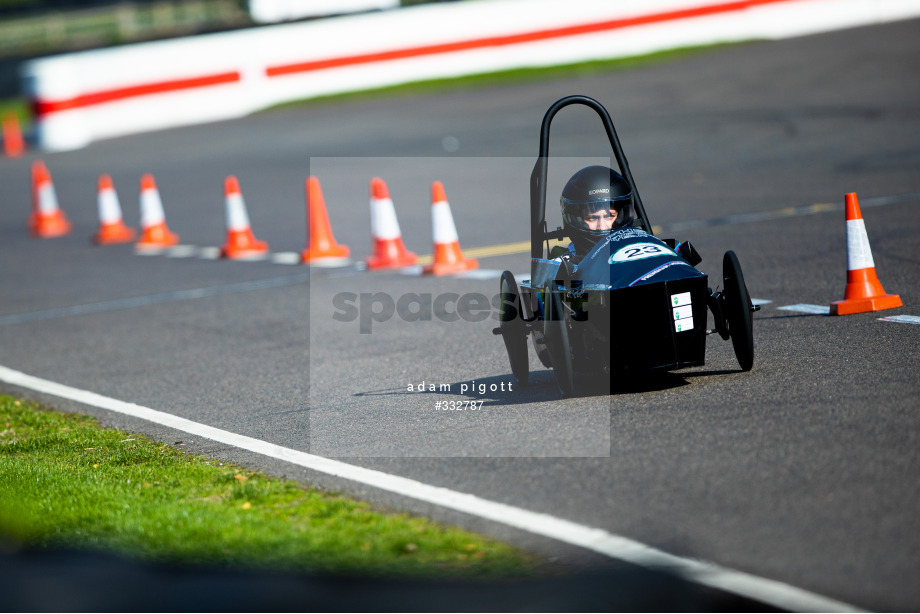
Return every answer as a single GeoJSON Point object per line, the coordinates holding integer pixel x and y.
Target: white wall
{"type": "Point", "coordinates": [273, 11]}
{"type": "Point", "coordinates": [97, 94]}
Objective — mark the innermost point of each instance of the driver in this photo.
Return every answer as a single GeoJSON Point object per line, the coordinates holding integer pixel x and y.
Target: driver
{"type": "Point", "coordinates": [595, 201]}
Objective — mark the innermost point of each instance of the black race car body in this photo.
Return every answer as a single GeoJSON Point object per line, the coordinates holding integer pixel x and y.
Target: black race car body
{"type": "Point", "coordinates": [634, 302]}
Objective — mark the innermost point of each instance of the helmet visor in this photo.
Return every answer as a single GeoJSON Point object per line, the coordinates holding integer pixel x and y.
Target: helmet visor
{"type": "Point", "coordinates": [598, 216]}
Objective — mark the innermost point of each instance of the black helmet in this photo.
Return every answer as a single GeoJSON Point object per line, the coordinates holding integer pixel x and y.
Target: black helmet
{"type": "Point", "coordinates": [589, 200]}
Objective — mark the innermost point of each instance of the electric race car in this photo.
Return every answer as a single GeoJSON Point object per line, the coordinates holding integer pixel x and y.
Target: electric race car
{"type": "Point", "coordinates": [632, 303]}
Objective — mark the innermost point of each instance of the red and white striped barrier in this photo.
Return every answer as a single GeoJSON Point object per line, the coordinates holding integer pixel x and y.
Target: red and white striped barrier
{"type": "Point", "coordinates": [81, 97]}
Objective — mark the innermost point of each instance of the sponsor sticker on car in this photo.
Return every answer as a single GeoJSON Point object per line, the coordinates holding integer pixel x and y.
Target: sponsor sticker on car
{"type": "Point", "coordinates": [682, 311]}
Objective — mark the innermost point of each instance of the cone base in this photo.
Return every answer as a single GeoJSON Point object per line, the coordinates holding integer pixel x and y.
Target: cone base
{"type": "Point", "coordinates": [448, 268]}
{"type": "Point", "coordinates": [156, 238]}
{"type": "Point", "coordinates": [243, 245]}
{"type": "Point", "coordinates": [391, 254]}
{"type": "Point", "coordinates": [13, 143]}
{"type": "Point", "coordinates": [13, 151]}
{"type": "Point", "coordinates": [250, 252]}
{"type": "Point", "coordinates": [327, 262]}
{"type": "Point", "coordinates": [409, 259]}
{"type": "Point", "coordinates": [374, 264]}
{"type": "Point", "coordinates": [45, 227]}
{"type": "Point", "coordinates": [332, 253]}
{"type": "Point", "coordinates": [111, 234]}
{"type": "Point", "coordinates": [864, 305]}
{"type": "Point", "coordinates": [244, 254]}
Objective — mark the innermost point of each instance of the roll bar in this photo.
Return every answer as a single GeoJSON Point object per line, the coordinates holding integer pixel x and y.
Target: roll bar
{"type": "Point", "coordinates": [538, 232]}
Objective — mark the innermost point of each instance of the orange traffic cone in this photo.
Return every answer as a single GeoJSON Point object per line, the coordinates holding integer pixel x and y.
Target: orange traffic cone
{"type": "Point", "coordinates": [241, 243]}
{"type": "Point", "coordinates": [864, 291]}
{"type": "Point", "coordinates": [155, 235]}
{"type": "Point", "coordinates": [448, 258]}
{"type": "Point", "coordinates": [321, 246]}
{"type": "Point", "coordinates": [388, 249]}
{"type": "Point", "coordinates": [13, 143]}
{"type": "Point", "coordinates": [47, 219]}
{"type": "Point", "coordinates": [112, 227]}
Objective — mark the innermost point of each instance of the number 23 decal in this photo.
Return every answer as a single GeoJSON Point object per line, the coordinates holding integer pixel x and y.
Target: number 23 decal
{"type": "Point", "coordinates": [637, 251]}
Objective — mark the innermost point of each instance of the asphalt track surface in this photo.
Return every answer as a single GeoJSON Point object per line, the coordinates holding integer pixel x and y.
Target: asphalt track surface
{"type": "Point", "coordinates": [803, 470]}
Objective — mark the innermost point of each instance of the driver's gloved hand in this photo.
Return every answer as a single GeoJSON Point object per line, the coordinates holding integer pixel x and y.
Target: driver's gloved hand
{"type": "Point", "coordinates": [558, 251]}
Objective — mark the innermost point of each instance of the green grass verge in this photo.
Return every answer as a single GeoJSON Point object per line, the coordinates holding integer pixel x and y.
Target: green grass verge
{"type": "Point", "coordinates": [515, 76]}
{"type": "Point", "coordinates": [66, 482]}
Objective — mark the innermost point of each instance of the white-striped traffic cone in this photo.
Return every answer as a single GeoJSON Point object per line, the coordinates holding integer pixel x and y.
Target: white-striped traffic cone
{"type": "Point", "coordinates": [864, 292]}
{"type": "Point", "coordinates": [112, 227]}
{"type": "Point", "coordinates": [13, 143]}
{"type": "Point", "coordinates": [321, 244]}
{"type": "Point", "coordinates": [448, 257]}
{"type": "Point", "coordinates": [388, 249]}
{"type": "Point", "coordinates": [241, 243]}
{"type": "Point", "coordinates": [47, 219]}
{"type": "Point", "coordinates": [155, 234]}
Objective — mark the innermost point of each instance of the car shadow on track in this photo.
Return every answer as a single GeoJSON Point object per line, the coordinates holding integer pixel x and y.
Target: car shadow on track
{"type": "Point", "coordinates": [542, 386]}
{"type": "Point", "coordinates": [626, 383]}
{"type": "Point", "coordinates": [692, 374]}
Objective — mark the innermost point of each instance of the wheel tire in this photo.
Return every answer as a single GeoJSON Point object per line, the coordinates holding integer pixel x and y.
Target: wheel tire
{"type": "Point", "coordinates": [739, 311]}
{"type": "Point", "coordinates": [557, 341]}
{"type": "Point", "coordinates": [514, 330]}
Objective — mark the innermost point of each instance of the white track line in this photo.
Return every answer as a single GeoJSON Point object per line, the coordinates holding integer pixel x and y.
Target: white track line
{"type": "Point", "coordinates": [182, 251]}
{"type": "Point", "coordinates": [766, 591]}
{"type": "Point", "coordinates": [825, 310]}
{"type": "Point", "coordinates": [804, 308]}
{"type": "Point", "coordinates": [285, 258]}
{"type": "Point", "coordinates": [902, 319]}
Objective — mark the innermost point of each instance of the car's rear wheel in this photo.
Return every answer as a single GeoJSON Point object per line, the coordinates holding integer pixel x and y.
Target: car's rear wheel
{"type": "Point", "coordinates": [557, 341]}
{"type": "Point", "coordinates": [513, 327]}
{"type": "Point", "coordinates": [738, 311]}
